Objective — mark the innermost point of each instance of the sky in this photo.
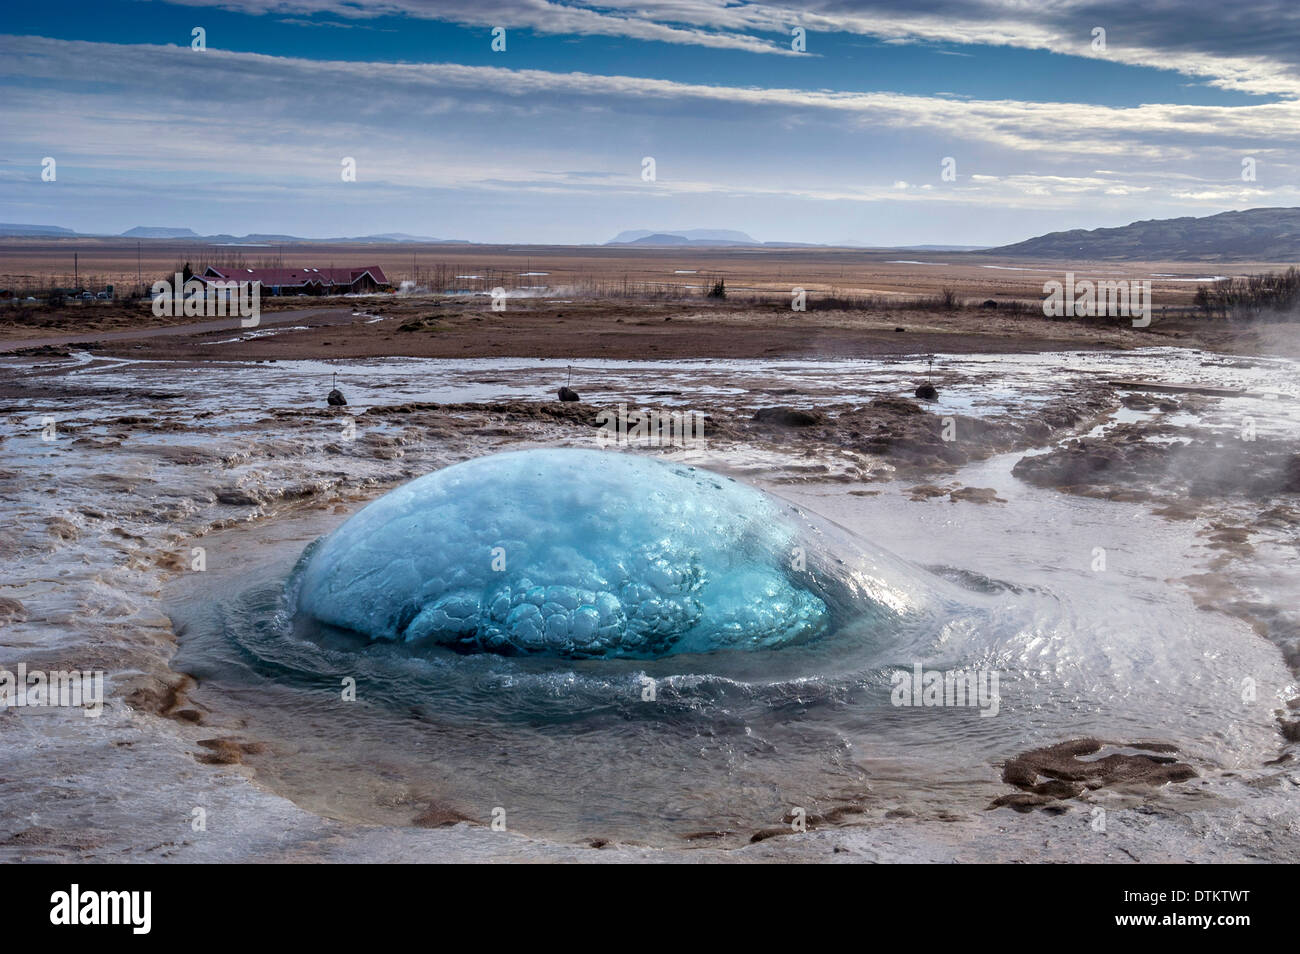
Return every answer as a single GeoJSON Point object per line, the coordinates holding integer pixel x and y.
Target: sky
{"type": "Point", "coordinates": [880, 122]}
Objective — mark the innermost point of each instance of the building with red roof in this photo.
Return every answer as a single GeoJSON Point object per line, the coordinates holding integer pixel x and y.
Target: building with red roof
{"type": "Point", "coordinates": [301, 281]}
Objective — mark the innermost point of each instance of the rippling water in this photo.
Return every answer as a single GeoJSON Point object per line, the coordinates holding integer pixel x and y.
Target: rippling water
{"type": "Point", "coordinates": [732, 741]}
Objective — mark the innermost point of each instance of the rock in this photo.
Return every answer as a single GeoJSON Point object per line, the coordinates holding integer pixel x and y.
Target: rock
{"type": "Point", "coordinates": [927, 392]}
{"type": "Point", "coordinates": [1067, 773]}
{"type": "Point", "coordinates": [336, 399]}
{"type": "Point", "coordinates": [927, 491]}
{"type": "Point", "coordinates": [439, 816]}
{"type": "Point", "coordinates": [900, 329]}
{"type": "Point", "coordinates": [1023, 802]}
{"type": "Point", "coordinates": [979, 495]}
{"type": "Point", "coordinates": [61, 528]}
{"type": "Point", "coordinates": [988, 303]}
{"type": "Point", "coordinates": [236, 497]}
{"type": "Point", "coordinates": [899, 407]}
{"type": "Point", "coordinates": [12, 611]}
{"type": "Point", "coordinates": [568, 394]}
{"type": "Point", "coordinates": [44, 351]}
{"type": "Point", "coordinates": [228, 751]}
{"type": "Point", "coordinates": [1126, 460]}
{"type": "Point", "coordinates": [1146, 402]}
{"type": "Point", "coordinates": [788, 416]}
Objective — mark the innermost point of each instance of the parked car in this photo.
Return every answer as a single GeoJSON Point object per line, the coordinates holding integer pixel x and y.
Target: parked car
{"type": "Point", "coordinates": [87, 296]}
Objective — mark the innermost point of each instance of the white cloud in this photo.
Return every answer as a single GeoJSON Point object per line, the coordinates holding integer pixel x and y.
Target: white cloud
{"type": "Point", "coordinates": [227, 127]}
{"type": "Point", "coordinates": [1198, 38]}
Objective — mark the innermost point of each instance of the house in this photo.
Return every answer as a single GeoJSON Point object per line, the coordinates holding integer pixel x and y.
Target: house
{"type": "Point", "coordinates": [301, 281]}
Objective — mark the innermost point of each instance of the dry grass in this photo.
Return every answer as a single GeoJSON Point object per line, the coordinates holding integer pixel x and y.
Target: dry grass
{"type": "Point", "coordinates": [1271, 296]}
{"type": "Point", "coordinates": [850, 275]}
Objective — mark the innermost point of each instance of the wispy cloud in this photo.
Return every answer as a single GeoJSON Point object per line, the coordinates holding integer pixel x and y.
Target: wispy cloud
{"type": "Point", "coordinates": [1252, 46]}
{"type": "Point", "coordinates": [333, 93]}
{"type": "Point", "coordinates": [218, 130]}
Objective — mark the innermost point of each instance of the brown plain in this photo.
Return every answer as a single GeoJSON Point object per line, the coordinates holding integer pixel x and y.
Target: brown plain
{"type": "Point", "coordinates": [623, 302]}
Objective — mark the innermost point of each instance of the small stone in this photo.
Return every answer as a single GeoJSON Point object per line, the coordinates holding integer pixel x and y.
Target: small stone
{"type": "Point", "coordinates": [12, 611]}
{"type": "Point", "coordinates": [236, 497]}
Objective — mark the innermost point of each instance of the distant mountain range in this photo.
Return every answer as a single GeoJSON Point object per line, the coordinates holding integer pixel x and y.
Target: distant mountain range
{"type": "Point", "coordinates": [721, 238]}
{"type": "Point", "coordinates": [145, 231]}
{"type": "Point", "coordinates": [160, 232]}
{"type": "Point", "coordinates": [683, 237]}
{"type": "Point", "coordinates": [1260, 234]}
{"type": "Point", "coordinates": [53, 231]}
{"type": "Point", "coordinates": [922, 248]}
{"type": "Point", "coordinates": [1252, 234]}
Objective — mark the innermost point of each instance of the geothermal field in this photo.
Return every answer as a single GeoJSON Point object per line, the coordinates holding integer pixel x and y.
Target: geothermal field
{"type": "Point", "coordinates": [432, 620]}
{"type": "Point", "coordinates": [662, 432]}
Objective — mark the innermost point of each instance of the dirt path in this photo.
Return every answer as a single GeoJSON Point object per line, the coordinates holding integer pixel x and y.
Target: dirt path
{"type": "Point", "coordinates": [195, 328]}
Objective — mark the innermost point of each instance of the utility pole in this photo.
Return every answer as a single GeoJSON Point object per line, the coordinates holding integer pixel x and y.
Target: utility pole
{"type": "Point", "coordinates": [76, 279]}
{"type": "Point", "coordinates": [139, 274]}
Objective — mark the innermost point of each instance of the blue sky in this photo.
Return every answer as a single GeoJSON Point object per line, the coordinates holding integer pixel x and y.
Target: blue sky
{"type": "Point", "coordinates": [544, 141]}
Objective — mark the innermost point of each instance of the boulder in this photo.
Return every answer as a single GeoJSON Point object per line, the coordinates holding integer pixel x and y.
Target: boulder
{"type": "Point", "coordinates": [789, 416]}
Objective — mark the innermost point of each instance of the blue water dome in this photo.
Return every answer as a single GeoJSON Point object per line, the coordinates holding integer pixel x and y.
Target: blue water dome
{"type": "Point", "coordinates": [567, 552]}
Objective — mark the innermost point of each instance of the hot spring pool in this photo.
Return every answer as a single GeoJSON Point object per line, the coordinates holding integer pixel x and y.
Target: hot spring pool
{"type": "Point", "coordinates": [737, 659]}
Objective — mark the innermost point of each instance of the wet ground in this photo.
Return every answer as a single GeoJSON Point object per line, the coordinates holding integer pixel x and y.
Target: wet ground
{"type": "Point", "coordinates": [1149, 538]}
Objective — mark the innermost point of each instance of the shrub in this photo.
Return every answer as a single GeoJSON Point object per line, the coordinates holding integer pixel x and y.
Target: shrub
{"type": "Point", "coordinates": [1271, 295]}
